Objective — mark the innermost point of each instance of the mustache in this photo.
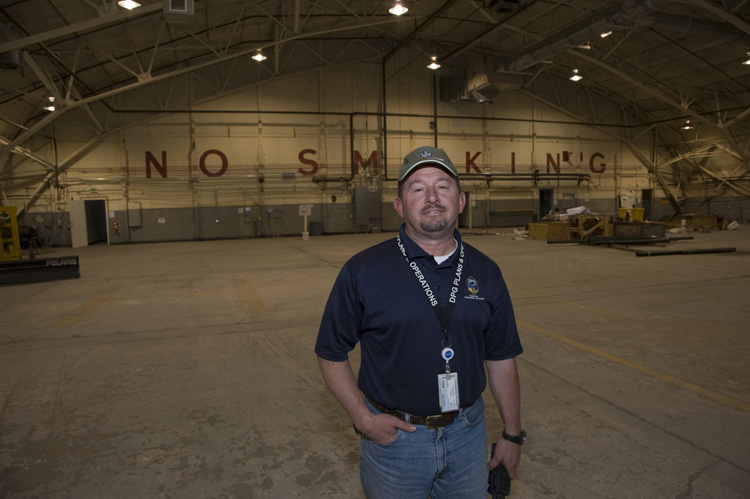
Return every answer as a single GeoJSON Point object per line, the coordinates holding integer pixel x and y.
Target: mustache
{"type": "Point", "coordinates": [432, 207]}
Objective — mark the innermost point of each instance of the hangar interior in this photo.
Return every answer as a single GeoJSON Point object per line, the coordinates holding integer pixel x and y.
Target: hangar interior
{"type": "Point", "coordinates": [225, 119]}
{"type": "Point", "coordinates": [209, 127]}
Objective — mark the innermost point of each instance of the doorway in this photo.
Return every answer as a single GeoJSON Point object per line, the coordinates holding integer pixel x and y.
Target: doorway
{"type": "Point", "coordinates": [88, 222]}
{"type": "Point", "coordinates": [646, 196]}
{"type": "Point", "coordinates": [546, 202]}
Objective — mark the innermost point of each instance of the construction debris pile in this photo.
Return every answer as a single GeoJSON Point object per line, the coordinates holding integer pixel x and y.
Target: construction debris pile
{"type": "Point", "coordinates": [581, 226]}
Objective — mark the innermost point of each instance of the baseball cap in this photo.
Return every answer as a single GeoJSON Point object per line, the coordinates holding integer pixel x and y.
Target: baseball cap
{"type": "Point", "coordinates": [423, 156]}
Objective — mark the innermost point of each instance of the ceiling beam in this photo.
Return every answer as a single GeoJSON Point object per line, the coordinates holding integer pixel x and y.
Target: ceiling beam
{"type": "Point", "coordinates": [733, 19]}
{"type": "Point", "coordinates": [72, 104]}
{"type": "Point", "coordinates": [78, 29]}
{"type": "Point", "coordinates": [666, 99]}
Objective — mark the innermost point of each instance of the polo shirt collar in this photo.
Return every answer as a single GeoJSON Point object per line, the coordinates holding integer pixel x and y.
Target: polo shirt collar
{"type": "Point", "coordinates": [413, 250]}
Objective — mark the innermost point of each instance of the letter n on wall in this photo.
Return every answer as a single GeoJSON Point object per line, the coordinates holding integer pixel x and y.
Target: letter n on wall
{"type": "Point", "coordinates": [151, 161]}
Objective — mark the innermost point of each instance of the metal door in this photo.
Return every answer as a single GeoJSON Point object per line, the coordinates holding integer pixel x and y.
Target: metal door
{"type": "Point", "coordinates": [78, 229]}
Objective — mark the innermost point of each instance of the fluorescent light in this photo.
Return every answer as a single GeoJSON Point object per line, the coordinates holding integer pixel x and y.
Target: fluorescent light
{"type": "Point", "coordinates": [687, 125]}
{"type": "Point", "coordinates": [49, 108]}
{"type": "Point", "coordinates": [398, 9]}
{"type": "Point", "coordinates": [259, 56]}
{"type": "Point", "coordinates": [747, 62]}
{"type": "Point", "coordinates": [128, 4]}
{"type": "Point", "coordinates": [434, 64]}
{"type": "Point", "coordinates": [605, 35]}
{"type": "Point", "coordinates": [576, 76]}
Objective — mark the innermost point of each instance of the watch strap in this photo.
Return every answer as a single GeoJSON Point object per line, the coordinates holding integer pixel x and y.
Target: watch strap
{"type": "Point", "coordinates": [516, 439]}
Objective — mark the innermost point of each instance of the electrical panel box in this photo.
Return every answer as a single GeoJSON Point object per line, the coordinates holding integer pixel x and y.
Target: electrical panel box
{"type": "Point", "coordinates": [134, 214]}
{"type": "Point", "coordinates": [367, 205]}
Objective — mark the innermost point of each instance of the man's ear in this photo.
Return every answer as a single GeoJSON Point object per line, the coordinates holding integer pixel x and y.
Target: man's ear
{"type": "Point", "coordinates": [398, 205]}
{"type": "Point", "coordinates": [461, 202]}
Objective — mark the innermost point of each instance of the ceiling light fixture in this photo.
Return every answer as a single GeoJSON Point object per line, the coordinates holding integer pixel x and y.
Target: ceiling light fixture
{"type": "Point", "coordinates": [398, 9]}
{"type": "Point", "coordinates": [747, 62]}
{"type": "Point", "coordinates": [606, 34]}
{"type": "Point", "coordinates": [128, 4]}
{"type": "Point", "coordinates": [259, 56]}
{"type": "Point", "coordinates": [51, 106]}
{"type": "Point", "coordinates": [687, 125]}
{"type": "Point", "coordinates": [576, 76]}
{"type": "Point", "coordinates": [433, 64]}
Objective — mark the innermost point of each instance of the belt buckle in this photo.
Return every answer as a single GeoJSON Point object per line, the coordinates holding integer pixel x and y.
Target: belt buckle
{"type": "Point", "coordinates": [430, 419]}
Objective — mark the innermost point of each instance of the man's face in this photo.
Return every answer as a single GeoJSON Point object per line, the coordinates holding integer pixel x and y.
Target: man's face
{"type": "Point", "coordinates": [430, 202]}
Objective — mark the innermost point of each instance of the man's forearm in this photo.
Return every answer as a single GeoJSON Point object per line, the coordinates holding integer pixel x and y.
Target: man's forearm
{"type": "Point", "coordinates": [339, 378]}
{"type": "Point", "coordinates": [506, 390]}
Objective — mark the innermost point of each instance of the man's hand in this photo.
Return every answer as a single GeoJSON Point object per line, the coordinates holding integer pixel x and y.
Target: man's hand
{"type": "Point", "coordinates": [381, 428]}
{"type": "Point", "coordinates": [507, 453]}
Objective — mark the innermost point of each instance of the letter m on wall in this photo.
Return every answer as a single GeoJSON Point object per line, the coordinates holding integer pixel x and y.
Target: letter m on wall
{"type": "Point", "coordinates": [372, 162]}
{"type": "Point", "coordinates": [151, 161]}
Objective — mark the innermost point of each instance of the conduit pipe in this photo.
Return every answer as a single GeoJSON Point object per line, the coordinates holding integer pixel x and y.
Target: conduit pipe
{"type": "Point", "coordinates": [686, 252]}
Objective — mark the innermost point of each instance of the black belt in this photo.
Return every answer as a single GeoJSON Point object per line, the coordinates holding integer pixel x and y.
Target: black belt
{"type": "Point", "coordinates": [431, 422]}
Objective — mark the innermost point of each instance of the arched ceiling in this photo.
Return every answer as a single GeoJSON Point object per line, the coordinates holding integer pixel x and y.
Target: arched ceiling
{"type": "Point", "coordinates": [665, 62]}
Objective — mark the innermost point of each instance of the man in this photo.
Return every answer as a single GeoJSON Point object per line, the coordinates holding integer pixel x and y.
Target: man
{"type": "Point", "coordinates": [430, 312]}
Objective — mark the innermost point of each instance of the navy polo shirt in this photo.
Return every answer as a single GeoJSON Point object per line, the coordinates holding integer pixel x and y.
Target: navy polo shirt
{"type": "Point", "coordinates": [378, 301]}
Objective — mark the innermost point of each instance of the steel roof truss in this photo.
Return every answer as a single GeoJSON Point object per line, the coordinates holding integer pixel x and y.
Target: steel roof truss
{"type": "Point", "coordinates": [43, 77]}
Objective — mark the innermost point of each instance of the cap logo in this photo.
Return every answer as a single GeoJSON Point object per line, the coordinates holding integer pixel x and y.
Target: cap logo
{"type": "Point", "coordinates": [425, 154]}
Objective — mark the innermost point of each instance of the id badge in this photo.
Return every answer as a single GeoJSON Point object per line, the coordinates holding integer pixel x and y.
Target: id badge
{"type": "Point", "coordinates": [448, 388]}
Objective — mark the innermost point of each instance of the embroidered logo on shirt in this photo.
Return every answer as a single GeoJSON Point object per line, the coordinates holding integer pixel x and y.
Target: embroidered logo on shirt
{"type": "Point", "coordinates": [473, 286]}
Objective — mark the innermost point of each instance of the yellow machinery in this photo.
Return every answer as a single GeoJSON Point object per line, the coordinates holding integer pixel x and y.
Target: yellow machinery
{"type": "Point", "coordinates": [32, 269]}
{"type": "Point", "coordinates": [10, 244]}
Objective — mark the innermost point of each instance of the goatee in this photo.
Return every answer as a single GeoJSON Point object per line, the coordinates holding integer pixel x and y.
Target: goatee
{"type": "Point", "coordinates": [434, 226]}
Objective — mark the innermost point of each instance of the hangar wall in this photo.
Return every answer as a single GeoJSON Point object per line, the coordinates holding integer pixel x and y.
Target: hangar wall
{"type": "Point", "coordinates": [243, 164]}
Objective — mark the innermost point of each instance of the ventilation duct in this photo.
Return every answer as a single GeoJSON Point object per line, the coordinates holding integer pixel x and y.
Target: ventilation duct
{"type": "Point", "coordinates": [483, 83]}
{"type": "Point", "coordinates": [11, 59]}
{"type": "Point", "coordinates": [453, 89]}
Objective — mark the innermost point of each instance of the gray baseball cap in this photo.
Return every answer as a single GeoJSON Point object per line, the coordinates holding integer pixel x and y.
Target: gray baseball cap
{"type": "Point", "coordinates": [424, 156]}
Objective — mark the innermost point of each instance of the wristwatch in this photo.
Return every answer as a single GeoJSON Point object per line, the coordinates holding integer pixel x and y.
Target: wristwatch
{"type": "Point", "coordinates": [516, 439]}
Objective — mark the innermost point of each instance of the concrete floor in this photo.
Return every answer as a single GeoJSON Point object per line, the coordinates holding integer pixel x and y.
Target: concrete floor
{"type": "Point", "coordinates": [186, 370]}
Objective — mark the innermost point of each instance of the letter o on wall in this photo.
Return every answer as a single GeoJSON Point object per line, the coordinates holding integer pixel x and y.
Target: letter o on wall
{"type": "Point", "coordinates": [224, 163]}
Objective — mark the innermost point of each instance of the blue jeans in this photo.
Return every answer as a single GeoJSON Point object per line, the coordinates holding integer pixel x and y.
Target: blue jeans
{"type": "Point", "coordinates": [448, 462]}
